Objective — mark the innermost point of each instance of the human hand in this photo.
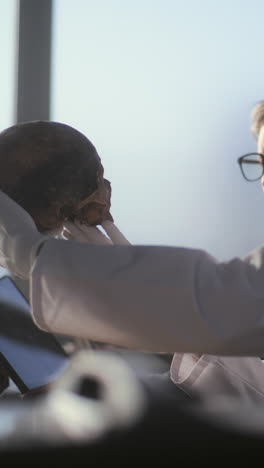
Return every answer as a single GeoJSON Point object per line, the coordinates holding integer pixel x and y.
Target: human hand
{"type": "Point", "coordinates": [83, 233]}
{"type": "Point", "coordinates": [19, 238]}
{"type": "Point", "coordinates": [114, 233]}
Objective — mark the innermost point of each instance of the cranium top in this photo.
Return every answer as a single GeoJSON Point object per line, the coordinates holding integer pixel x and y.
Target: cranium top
{"type": "Point", "coordinates": [55, 173]}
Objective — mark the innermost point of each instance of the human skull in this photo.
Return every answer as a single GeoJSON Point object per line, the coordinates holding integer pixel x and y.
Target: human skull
{"type": "Point", "coordinates": [55, 173]}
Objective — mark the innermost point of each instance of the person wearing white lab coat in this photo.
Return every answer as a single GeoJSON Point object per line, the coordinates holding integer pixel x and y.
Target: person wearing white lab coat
{"type": "Point", "coordinates": [152, 298]}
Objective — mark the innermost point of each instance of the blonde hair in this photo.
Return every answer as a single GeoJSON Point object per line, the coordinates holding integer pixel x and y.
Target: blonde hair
{"type": "Point", "coordinates": [257, 118]}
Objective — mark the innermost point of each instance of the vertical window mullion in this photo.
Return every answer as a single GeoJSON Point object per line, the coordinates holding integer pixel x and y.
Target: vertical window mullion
{"type": "Point", "coordinates": [34, 60]}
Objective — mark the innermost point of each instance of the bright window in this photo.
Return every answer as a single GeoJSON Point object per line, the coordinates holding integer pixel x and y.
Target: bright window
{"type": "Point", "coordinates": [8, 41]}
{"type": "Point", "coordinates": [164, 89]}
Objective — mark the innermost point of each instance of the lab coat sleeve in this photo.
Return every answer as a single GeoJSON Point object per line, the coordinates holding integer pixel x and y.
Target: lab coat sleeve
{"type": "Point", "coordinates": [153, 298]}
{"type": "Point", "coordinates": [213, 377]}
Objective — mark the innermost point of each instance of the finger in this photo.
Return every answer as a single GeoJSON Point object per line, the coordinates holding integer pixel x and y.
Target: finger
{"type": "Point", "coordinates": [94, 235]}
{"type": "Point", "coordinates": [114, 233]}
{"type": "Point", "coordinates": [73, 232]}
{"type": "Point", "coordinates": [83, 233]}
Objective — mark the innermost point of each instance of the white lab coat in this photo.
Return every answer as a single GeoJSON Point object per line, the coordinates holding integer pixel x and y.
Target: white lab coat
{"type": "Point", "coordinates": [214, 377]}
{"type": "Point", "coordinates": [159, 299]}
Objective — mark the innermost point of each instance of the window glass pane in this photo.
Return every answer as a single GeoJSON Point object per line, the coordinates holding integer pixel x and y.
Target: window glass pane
{"type": "Point", "coordinates": [8, 37]}
{"type": "Point", "coordinates": [164, 90]}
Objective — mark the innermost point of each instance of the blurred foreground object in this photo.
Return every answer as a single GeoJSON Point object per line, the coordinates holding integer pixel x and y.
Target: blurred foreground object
{"type": "Point", "coordinates": [97, 393]}
{"type": "Point", "coordinates": [99, 410]}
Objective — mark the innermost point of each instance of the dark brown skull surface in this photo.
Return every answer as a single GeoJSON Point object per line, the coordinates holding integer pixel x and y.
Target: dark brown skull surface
{"type": "Point", "coordinates": [54, 172]}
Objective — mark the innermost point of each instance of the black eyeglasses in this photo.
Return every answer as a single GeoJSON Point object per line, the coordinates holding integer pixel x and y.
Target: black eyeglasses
{"type": "Point", "coordinates": [252, 166]}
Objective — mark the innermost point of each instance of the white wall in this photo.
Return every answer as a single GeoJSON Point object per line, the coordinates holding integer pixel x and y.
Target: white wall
{"type": "Point", "coordinates": [164, 89]}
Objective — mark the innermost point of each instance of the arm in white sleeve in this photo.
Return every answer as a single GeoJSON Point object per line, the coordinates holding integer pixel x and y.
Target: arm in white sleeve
{"type": "Point", "coordinates": [160, 299]}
